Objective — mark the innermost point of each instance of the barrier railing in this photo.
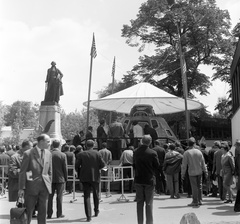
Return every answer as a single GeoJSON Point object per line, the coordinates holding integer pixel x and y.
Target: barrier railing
{"type": "Point", "coordinates": [118, 176]}
{"type": "Point", "coordinates": [3, 178]}
{"type": "Point", "coordinates": [73, 179]}
{"type": "Point", "coordinates": [106, 179]}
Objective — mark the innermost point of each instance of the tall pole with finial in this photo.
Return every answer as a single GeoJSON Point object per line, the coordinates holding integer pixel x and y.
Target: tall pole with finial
{"type": "Point", "coordinates": [113, 80]}
{"type": "Point", "coordinates": [93, 54]}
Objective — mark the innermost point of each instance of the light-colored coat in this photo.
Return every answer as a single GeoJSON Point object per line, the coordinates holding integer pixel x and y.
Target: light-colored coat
{"type": "Point", "coordinates": [40, 172]}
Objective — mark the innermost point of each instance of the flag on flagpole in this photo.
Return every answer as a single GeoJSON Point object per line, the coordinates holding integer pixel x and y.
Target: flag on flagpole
{"type": "Point", "coordinates": [93, 48]}
{"type": "Point", "coordinates": [184, 76]}
{"type": "Point", "coordinates": [113, 68]}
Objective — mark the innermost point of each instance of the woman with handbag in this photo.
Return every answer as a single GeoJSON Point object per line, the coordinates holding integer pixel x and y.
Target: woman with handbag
{"type": "Point", "coordinates": [228, 169]}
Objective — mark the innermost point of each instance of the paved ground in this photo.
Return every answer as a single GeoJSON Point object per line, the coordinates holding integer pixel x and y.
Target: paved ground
{"type": "Point", "coordinates": [166, 211]}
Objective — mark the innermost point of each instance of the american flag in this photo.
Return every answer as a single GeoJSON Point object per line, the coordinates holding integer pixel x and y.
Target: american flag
{"type": "Point", "coordinates": [93, 49]}
{"type": "Point", "coordinates": [113, 68]}
{"type": "Point", "coordinates": [184, 75]}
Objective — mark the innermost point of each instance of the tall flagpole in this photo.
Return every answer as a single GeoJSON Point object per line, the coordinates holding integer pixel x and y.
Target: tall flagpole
{"type": "Point", "coordinates": [93, 55]}
{"type": "Point", "coordinates": [184, 81]}
{"type": "Point", "coordinates": [113, 74]}
{"type": "Point", "coordinates": [183, 71]}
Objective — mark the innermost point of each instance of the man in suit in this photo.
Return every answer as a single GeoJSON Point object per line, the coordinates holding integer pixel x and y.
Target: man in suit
{"type": "Point", "coordinates": [194, 161]}
{"type": "Point", "coordinates": [160, 176]}
{"type": "Point", "coordinates": [115, 134]}
{"type": "Point", "coordinates": [107, 158]}
{"type": "Point", "coordinates": [77, 139]}
{"type": "Point", "coordinates": [89, 134]}
{"type": "Point", "coordinates": [145, 162]}
{"type": "Point", "coordinates": [14, 169]}
{"type": "Point", "coordinates": [59, 177]}
{"type": "Point", "coordinates": [35, 178]}
{"type": "Point", "coordinates": [101, 134]}
{"type": "Point", "coordinates": [90, 163]}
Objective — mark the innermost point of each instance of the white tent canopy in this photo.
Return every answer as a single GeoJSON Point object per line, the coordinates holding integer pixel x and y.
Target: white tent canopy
{"type": "Point", "coordinates": [143, 93]}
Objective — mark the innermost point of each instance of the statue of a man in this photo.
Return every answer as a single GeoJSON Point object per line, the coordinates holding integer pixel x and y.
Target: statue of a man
{"type": "Point", "coordinates": [53, 84]}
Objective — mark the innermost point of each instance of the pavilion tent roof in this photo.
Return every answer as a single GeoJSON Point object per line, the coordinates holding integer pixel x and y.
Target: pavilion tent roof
{"type": "Point", "coordinates": [143, 93]}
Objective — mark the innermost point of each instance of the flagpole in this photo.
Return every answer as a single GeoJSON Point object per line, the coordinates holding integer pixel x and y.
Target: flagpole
{"type": "Point", "coordinates": [89, 92]}
{"type": "Point", "coordinates": [113, 74]}
{"type": "Point", "coordinates": [184, 81]}
{"type": "Point", "coordinates": [93, 55]}
{"type": "Point", "coordinates": [183, 71]}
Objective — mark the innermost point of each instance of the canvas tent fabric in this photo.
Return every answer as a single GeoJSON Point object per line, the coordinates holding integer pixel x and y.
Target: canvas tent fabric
{"type": "Point", "coordinates": [143, 93]}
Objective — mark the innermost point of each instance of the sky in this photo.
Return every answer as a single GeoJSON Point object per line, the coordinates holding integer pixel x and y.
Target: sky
{"type": "Point", "coordinates": [33, 33]}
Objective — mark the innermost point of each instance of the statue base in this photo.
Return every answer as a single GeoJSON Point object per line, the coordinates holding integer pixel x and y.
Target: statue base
{"type": "Point", "coordinates": [50, 120]}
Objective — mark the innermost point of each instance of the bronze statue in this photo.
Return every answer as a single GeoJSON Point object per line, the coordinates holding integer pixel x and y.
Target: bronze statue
{"type": "Point", "coordinates": [53, 84]}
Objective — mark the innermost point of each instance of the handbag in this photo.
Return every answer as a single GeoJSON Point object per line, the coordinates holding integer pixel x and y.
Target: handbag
{"type": "Point", "coordinates": [18, 215]}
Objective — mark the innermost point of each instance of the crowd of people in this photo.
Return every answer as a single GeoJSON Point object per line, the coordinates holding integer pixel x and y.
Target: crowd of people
{"type": "Point", "coordinates": [38, 170]}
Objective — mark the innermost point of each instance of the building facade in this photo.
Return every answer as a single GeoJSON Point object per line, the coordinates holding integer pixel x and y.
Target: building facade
{"type": "Point", "coordinates": [235, 82]}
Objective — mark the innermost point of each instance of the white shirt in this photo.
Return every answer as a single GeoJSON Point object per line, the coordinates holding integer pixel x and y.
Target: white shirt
{"type": "Point", "coordinates": [137, 131]}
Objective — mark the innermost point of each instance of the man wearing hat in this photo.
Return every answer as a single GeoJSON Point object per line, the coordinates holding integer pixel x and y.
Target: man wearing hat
{"type": "Point", "coordinates": [53, 84]}
{"type": "Point", "coordinates": [193, 159]}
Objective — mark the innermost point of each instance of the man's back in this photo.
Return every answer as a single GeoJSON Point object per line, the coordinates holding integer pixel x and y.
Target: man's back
{"type": "Point", "coordinates": [70, 157]}
{"type": "Point", "coordinates": [106, 155]}
{"type": "Point", "coordinates": [217, 160]}
{"type": "Point", "coordinates": [59, 166]}
{"type": "Point", "coordinates": [90, 162]}
{"type": "Point", "coordinates": [161, 153]}
{"type": "Point", "coordinates": [210, 157]}
{"type": "Point", "coordinates": [145, 162]}
{"type": "Point", "coordinates": [116, 130]}
{"type": "Point", "coordinates": [193, 159]}
{"type": "Point", "coordinates": [77, 140]}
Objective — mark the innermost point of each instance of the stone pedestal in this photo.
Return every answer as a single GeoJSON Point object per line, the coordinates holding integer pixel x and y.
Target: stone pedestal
{"type": "Point", "coordinates": [50, 120]}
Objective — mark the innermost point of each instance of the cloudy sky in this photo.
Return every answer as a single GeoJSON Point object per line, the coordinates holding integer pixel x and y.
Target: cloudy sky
{"type": "Point", "coordinates": [34, 33]}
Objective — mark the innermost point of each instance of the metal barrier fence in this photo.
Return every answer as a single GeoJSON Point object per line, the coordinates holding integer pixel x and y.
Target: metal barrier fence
{"type": "Point", "coordinates": [115, 173]}
{"type": "Point", "coordinates": [73, 179]}
{"type": "Point", "coordinates": [3, 178]}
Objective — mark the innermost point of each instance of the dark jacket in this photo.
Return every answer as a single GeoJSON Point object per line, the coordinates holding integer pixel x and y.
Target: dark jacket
{"type": "Point", "coordinates": [89, 162]}
{"type": "Point", "coordinates": [172, 163]}
{"type": "Point", "coordinates": [59, 166]}
{"type": "Point", "coordinates": [77, 140]}
{"type": "Point", "coordinates": [145, 163]}
{"type": "Point", "coordinates": [89, 135]}
{"type": "Point", "coordinates": [161, 154]}
{"type": "Point", "coordinates": [70, 161]}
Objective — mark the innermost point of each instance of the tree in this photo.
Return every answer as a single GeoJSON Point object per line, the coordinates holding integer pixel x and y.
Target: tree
{"type": "Point", "coordinates": [76, 121]}
{"type": "Point", "coordinates": [24, 111]}
{"type": "Point", "coordinates": [223, 107]}
{"type": "Point", "coordinates": [2, 113]}
{"type": "Point", "coordinates": [71, 124]}
{"type": "Point", "coordinates": [199, 26]}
